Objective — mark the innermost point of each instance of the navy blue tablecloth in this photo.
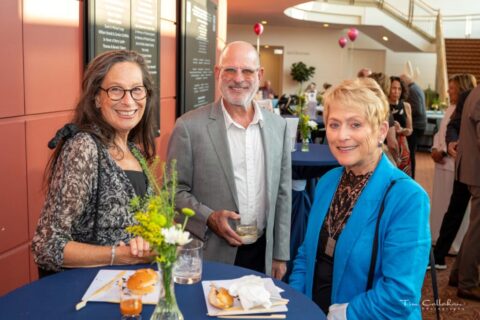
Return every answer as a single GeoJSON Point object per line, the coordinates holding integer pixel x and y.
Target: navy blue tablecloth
{"type": "Point", "coordinates": [301, 205]}
{"type": "Point", "coordinates": [319, 155]}
{"type": "Point", "coordinates": [307, 166]}
{"type": "Point", "coordinates": [55, 297]}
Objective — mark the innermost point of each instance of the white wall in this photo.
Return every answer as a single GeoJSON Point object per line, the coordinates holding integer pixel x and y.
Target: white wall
{"type": "Point", "coordinates": [318, 47]}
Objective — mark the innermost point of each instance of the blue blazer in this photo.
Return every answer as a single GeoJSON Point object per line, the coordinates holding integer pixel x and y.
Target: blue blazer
{"type": "Point", "coordinates": [404, 246]}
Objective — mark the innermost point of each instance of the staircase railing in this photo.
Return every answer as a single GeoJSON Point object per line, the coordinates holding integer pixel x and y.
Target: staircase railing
{"type": "Point", "coordinates": [421, 17]}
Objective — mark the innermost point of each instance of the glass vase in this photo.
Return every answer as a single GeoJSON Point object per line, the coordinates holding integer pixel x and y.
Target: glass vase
{"type": "Point", "coordinates": [167, 307]}
{"type": "Point", "coordinates": [305, 145]}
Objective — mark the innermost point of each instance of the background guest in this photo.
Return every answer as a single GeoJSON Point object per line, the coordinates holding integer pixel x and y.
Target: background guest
{"type": "Point", "coordinates": [448, 192]}
{"type": "Point", "coordinates": [402, 115]}
{"type": "Point", "coordinates": [416, 98]}
{"type": "Point", "coordinates": [93, 174]}
{"type": "Point", "coordinates": [267, 90]}
{"type": "Point", "coordinates": [364, 73]}
{"type": "Point", "coordinates": [466, 267]}
{"type": "Point", "coordinates": [332, 265]}
{"type": "Point", "coordinates": [311, 100]}
{"type": "Point", "coordinates": [391, 140]}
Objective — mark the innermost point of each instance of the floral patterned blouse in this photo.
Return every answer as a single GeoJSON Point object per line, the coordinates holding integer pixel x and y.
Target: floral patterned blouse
{"type": "Point", "coordinates": [71, 211]}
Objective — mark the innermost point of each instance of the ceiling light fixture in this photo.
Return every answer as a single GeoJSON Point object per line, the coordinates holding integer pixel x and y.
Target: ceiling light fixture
{"type": "Point", "coordinates": [385, 38]}
{"type": "Point", "coordinates": [326, 25]}
{"type": "Point", "coordinates": [264, 22]}
{"type": "Point", "coordinates": [267, 46]}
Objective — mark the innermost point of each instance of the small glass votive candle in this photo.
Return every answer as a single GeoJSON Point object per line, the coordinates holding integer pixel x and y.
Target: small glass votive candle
{"type": "Point", "coordinates": [130, 305]}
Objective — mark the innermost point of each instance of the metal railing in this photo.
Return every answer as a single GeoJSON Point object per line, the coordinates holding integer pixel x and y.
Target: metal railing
{"type": "Point", "coordinates": [421, 17]}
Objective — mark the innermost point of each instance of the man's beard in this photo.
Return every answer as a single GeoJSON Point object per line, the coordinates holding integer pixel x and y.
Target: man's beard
{"type": "Point", "coordinates": [242, 101]}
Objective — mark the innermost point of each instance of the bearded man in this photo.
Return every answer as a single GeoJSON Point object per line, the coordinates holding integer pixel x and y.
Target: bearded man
{"type": "Point", "coordinates": [234, 163]}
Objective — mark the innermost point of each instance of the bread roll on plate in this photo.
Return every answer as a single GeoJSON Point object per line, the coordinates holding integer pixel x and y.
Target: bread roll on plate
{"type": "Point", "coordinates": [220, 298]}
{"type": "Point", "coordinates": [143, 281]}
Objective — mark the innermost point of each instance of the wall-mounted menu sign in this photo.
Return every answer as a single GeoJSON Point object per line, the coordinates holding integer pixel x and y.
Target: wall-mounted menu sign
{"type": "Point", "coordinates": [128, 25]}
{"type": "Point", "coordinates": [198, 53]}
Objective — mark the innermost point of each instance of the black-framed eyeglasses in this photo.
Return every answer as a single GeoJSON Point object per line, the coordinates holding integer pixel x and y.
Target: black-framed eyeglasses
{"type": "Point", "coordinates": [116, 93]}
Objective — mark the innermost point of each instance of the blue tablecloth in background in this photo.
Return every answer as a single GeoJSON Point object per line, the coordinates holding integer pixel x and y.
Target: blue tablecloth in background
{"type": "Point", "coordinates": [55, 297]}
{"type": "Point", "coordinates": [307, 166]}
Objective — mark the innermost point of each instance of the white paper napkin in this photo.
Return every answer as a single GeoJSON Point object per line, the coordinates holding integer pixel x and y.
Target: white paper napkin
{"type": "Point", "coordinates": [251, 292]}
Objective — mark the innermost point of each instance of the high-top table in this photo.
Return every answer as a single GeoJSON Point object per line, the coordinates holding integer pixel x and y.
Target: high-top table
{"type": "Point", "coordinates": [314, 163]}
{"type": "Point", "coordinates": [55, 297]}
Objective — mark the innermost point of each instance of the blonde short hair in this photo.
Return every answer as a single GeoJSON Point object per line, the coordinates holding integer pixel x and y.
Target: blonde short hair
{"type": "Point", "coordinates": [361, 94]}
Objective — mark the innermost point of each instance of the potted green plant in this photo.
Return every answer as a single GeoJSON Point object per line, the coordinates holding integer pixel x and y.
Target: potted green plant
{"type": "Point", "coordinates": [300, 72]}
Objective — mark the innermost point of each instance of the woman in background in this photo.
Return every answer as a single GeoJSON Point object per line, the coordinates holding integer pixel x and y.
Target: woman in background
{"type": "Point", "coordinates": [391, 143]}
{"type": "Point", "coordinates": [332, 265]}
{"type": "Point", "coordinates": [93, 173]}
{"type": "Point", "coordinates": [402, 116]}
{"type": "Point", "coordinates": [311, 100]}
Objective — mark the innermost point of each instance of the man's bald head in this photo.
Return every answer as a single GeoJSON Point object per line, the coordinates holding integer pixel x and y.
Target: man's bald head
{"type": "Point", "coordinates": [240, 48]}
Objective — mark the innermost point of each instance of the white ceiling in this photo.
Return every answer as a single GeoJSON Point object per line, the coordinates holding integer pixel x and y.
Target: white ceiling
{"type": "Point", "coordinates": [252, 11]}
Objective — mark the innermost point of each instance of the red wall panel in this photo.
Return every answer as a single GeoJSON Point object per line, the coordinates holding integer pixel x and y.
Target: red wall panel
{"type": "Point", "coordinates": [167, 122]}
{"type": "Point", "coordinates": [168, 59]}
{"type": "Point", "coordinates": [53, 54]}
{"type": "Point", "coordinates": [11, 59]}
{"type": "Point", "coordinates": [14, 269]}
{"type": "Point", "coordinates": [13, 197]}
{"type": "Point", "coordinates": [38, 132]}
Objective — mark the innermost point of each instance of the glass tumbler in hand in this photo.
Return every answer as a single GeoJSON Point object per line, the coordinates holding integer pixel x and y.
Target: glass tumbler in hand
{"type": "Point", "coordinates": [130, 305]}
{"type": "Point", "coordinates": [246, 228]}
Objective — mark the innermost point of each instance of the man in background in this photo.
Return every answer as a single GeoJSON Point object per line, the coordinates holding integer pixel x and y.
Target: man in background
{"type": "Point", "coordinates": [416, 98]}
{"type": "Point", "coordinates": [267, 91]}
{"type": "Point", "coordinates": [234, 162]}
{"type": "Point", "coordinates": [466, 267]}
{"type": "Point", "coordinates": [364, 73]}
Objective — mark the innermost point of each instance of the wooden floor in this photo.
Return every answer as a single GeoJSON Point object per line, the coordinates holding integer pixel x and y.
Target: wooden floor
{"type": "Point", "coordinates": [452, 307]}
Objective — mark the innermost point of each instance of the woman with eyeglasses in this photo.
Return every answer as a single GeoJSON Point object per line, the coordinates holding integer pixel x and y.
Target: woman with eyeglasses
{"type": "Point", "coordinates": [93, 173]}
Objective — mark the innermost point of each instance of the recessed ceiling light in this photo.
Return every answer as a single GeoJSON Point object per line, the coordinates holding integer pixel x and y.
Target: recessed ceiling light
{"type": "Point", "coordinates": [385, 38]}
{"type": "Point", "coordinates": [267, 46]}
{"type": "Point", "coordinates": [326, 25]}
{"type": "Point", "coordinates": [264, 22]}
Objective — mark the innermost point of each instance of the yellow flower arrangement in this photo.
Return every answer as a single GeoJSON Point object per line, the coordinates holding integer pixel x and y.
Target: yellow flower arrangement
{"type": "Point", "coordinates": [155, 213]}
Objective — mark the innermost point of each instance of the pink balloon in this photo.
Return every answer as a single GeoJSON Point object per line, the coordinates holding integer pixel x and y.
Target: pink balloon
{"type": "Point", "coordinates": [352, 34]}
{"type": "Point", "coordinates": [258, 28]}
{"type": "Point", "coordinates": [342, 42]}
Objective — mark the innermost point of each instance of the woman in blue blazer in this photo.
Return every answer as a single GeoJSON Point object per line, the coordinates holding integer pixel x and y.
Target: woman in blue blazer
{"type": "Point", "coordinates": [332, 265]}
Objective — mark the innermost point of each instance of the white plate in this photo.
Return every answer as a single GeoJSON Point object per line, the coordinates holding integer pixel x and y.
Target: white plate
{"type": "Point", "coordinates": [113, 294]}
{"type": "Point", "coordinates": [237, 309]}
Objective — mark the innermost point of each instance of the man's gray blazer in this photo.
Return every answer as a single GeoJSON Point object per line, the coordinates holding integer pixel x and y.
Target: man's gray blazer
{"type": "Point", "coordinates": [206, 182]}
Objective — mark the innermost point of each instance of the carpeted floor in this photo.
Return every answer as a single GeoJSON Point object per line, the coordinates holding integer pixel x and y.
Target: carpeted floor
{"type": "Point", "coordinates": [451, 306]}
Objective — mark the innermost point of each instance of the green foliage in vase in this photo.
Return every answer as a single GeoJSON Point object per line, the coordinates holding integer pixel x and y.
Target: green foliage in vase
{"type": "Point", "coordinates": [305, 125]}
{"type": "Point", "coordinates": [155, 213]}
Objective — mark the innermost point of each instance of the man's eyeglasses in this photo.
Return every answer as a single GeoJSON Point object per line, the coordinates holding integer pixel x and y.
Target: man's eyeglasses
{"type": "Point", "coordinates": [231, 72]}
{"type": "Point", "coordinates": [117, 93]}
